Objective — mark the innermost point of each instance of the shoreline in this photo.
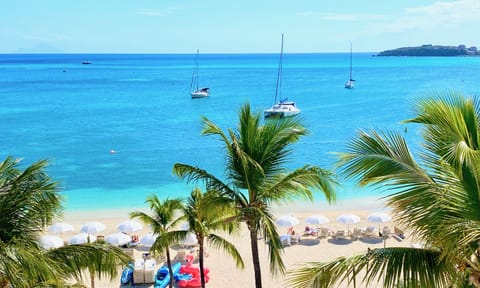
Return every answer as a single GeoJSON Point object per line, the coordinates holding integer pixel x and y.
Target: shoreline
{"type": "Point", "coordinates": [222, 268]}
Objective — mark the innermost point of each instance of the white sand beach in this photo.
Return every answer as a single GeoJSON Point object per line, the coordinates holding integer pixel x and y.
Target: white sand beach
{"type": "Point", "coordinates": [223, 272]}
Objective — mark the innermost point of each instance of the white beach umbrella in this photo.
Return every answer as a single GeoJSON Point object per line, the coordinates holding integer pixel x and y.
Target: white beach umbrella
{"type": "Point", "coordinates": [60, 227]}
{"type": "Point", "coordinates": [379, 217]}
{"type": "Point", "coordinates": [129, 226]}
{"type": "Point", "coordinates": [287, 221]}
{"type": "Point", "coordinates": [50, 242]}
{"type": "Point", "coordinates": [148, 240]}
{"type": "Point", "coordinates": [118, 239]}
{"type": "Point", "coordinates": [190, 240]}
{"type": "Point", "coordinates": [348, 219]}
{"type": "Point", "coordinates": [92, 228]}
{"type": "Point", "coordinates": [82, 238]}
{"type": "Point", "coordinates": [317, 220]}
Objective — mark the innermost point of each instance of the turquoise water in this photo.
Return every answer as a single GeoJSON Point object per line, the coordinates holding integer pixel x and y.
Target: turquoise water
{"type": "Point", "coordinates": [139, 105]}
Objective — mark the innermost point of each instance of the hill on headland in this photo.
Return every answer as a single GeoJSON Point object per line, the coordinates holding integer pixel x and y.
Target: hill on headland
{"type": "Point", "coordinates": [432, 50]}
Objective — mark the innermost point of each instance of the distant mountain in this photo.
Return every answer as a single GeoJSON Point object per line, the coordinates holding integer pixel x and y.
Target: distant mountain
{"type": "Point", "coordinates": [40, 48]}
{"type": "Point", "coordinates": [432, 50]}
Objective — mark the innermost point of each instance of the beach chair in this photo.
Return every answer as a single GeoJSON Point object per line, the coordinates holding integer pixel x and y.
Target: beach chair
{"type": "Point", "coordinates": [285, 240]}
{"type": "Point", "coordinates": [386, 232]}
{"type": "Point", "coordinates": [180, 257]}
{"type": "Point", "coordinates": [398, 234]}
{"type": "Point", "coordinates": [357, 232]}
{"type": "Point", "coordinates": [340, 234]}
{"type": "Point", "coordinates": [295, 239]}
{"type": "Point", "coordinates": [370, 231]}
{"type": "Point", "coordinates": [324, 232]}
{"type": "Point", "coordinates": [129, 252]}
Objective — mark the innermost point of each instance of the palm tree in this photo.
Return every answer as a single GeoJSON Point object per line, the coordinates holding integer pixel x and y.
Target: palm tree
{"type": "Point", "coordinates": [257, 177]}
{"type": "Point", "coordinates": [437, 198]}
{"type": "Point", "coordinates": [29, 201]}
{"type": "Point", "coordinates": [206, 213]}
{"type": "Point", "coordinates": [165, 217]}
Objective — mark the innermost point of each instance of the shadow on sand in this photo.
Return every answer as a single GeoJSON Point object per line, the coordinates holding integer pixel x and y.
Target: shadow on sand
{"type": "Point", "coordinates": [343, 241]}
{"type": "Point", "coordinates": [371, 240]}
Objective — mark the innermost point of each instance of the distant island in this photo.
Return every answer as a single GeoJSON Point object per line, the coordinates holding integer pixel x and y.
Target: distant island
{"type": "Point", "coordinates": [432, 50]}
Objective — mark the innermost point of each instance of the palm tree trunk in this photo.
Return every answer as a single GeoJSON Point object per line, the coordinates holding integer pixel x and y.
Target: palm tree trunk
{"type": "Point", "coordinates": [169, 264]}
{"type": "Point", "coordinates": [200, 262]}
{"type": "Point", "coordinates": [92, 279]}
{"type": "Point", "coordinates": [255, 257]}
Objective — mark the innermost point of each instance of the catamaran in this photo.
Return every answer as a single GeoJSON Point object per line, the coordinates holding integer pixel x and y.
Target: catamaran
{"type": "Point", "coordinates": [283, 108]}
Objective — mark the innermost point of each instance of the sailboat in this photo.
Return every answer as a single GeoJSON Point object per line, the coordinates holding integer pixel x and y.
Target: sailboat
{"type": "Point", "coordinates": [283, 108]}
{"type": "Point", "coordinates": [350, 83]}
{"type": "Point", "coordinates": [195, 91]}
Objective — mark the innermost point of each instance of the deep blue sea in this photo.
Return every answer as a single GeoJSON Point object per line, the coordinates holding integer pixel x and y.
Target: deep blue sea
{"type": "Point", "coordinates": [54, 107]}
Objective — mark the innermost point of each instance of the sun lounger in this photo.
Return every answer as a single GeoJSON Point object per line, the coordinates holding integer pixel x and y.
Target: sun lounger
{"type": "Point", "coordinates": [295, 239]}
{"type": "Point", "coordinates": [370, 231]}
{"type": "Point", "coordinates": [324, 232]}
{"type": "Point", "coordinates": [340, 234]}
{"type": "Point", "coordinates": [398, 234]}
{"type": "Point", "coordinates": [357, 232]}
{"type": "Point", "coordinates": [181, 255]}
{"type": "Point", "coordinates": [386, 232]}
{"type": "Point", "coordinates": [286, 240]}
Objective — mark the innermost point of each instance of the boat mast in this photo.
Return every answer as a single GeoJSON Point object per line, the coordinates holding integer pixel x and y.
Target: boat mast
{"type": "Point", "coordinates": [194, 83]}
{"type": "Point", "coordinates": [351, 62]}
{"type": "Point", "coordinates": [278, 89]}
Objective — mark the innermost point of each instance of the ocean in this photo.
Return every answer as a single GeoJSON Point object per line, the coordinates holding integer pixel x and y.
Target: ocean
{"type": "Point", "coordinates": [56, 108]}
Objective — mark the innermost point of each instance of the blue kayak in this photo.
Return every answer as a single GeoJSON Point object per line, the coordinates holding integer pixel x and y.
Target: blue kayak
{"type": "Point", "coordinates": [162, 278]}
{"type": "Point", "coordinates": [127, 276]}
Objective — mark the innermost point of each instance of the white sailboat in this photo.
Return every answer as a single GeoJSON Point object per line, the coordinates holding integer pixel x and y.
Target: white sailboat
{"type": "Point", "coordinates": [283, 108]}
{"type": "Point", "coordinates": [195, 91]}
{"type": "Point", "coordinates": [350, 83]}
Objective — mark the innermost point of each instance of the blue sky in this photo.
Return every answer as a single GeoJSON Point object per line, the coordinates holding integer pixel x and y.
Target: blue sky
{"type": "Point", "coordinates": [222, 26]}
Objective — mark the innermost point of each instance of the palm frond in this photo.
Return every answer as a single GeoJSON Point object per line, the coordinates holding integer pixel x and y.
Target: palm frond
{"type": "Point", "coordinates": [390, 266]}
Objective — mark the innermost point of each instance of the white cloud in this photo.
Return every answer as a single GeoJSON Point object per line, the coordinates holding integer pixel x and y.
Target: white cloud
{"type": "Point", "coordinates": [438, 15]}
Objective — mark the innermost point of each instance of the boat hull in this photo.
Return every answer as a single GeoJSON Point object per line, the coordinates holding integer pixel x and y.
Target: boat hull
{"type": "Point", "coordinates": [281, 110]}
{"type": "Point", "coordinates": [199, 94]}
{"type": "Point", "coordinates": [349, 84]}
{"type": "Point", "coordinates": [280, 114]}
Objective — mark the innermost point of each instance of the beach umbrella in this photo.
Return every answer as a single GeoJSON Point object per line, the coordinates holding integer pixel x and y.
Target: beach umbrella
{"type": "Point", "coordinates": [287, 221]}
{"type": "Point", "coordinates": [81, 238]}
{"type": "Point", "coordinates": [92, 228]}
{"type": "Point", "coordinates": [379, 217]}
{"type": "Point", "coordinates": [60, 227]}
{"type": "Point", "coordinates": [190, 240]}
{"type": "Point", "coordinates": [148, 240]}
{"type": "Point", "coordinates": [50, 242]}
{"type": "Point", "coordinates": [348, 219]}
{"type": "Point", "coordinates": [118, 239]}
{"type": "Point", "coordinates": [317, 220]}
{"type": "Point", "coordinates": [129, 226]}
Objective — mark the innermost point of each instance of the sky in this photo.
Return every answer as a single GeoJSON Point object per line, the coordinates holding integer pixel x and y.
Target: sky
{"type": "Point", "coordinates": [240, 26]}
